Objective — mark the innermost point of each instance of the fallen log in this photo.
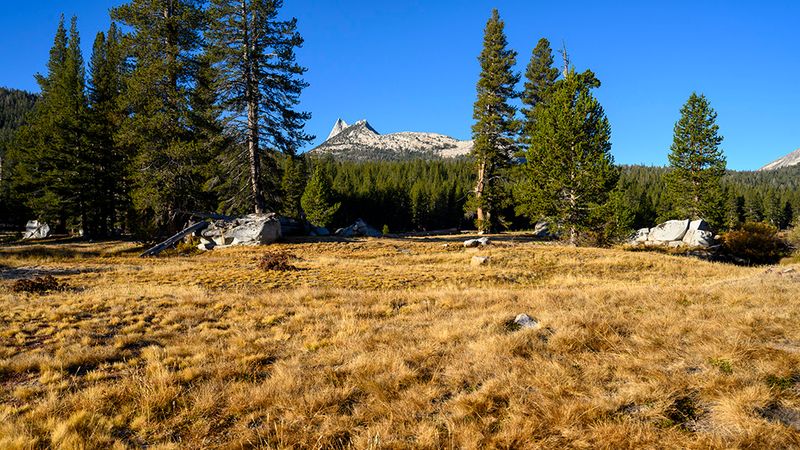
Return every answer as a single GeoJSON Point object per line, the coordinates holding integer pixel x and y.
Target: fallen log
{"type": "Point", "coordinates": [174, 239]}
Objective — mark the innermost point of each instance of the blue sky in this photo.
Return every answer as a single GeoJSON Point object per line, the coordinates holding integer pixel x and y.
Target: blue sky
{"type": "Point", "coordinates": [411, 65]}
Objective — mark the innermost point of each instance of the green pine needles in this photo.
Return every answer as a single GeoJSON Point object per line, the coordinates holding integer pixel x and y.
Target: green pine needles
{"type": "Point", "coordinates": [569, 170]}
{"type": "Point", "coordinates": [317, 199]}
{"type": "Point", "coordinates": [697, 163]}
{"type": "Point", "coordinates": [495, 129]}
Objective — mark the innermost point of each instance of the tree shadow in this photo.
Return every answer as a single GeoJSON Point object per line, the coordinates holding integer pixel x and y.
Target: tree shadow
{"type": "Point", "coordinates": [8, 273]}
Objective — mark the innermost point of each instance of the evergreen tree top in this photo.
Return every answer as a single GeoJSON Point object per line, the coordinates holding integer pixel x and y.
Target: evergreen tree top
{"type": "Point", "coordinates": [540, 75]}
{"type": "Point", "coordinates": [696, 138]}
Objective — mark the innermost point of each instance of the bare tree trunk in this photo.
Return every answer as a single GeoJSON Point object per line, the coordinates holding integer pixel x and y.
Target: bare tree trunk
{"type": "Point", "coordinates": [251, 94]}
{"type": "Point", "coordinates": [573, 230]}
{"type": "Point", "coordinates": [483, 215]}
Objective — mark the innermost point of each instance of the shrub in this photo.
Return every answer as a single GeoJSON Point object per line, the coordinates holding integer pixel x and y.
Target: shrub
{"type": "Point", "coordinates": [277, 261]}
{"type": "Point", "coordinates": [754, 243]}
{"type": "Point", "coordinates": [39, 285]}
{"type": "Point", "coordinates": [793, 236]}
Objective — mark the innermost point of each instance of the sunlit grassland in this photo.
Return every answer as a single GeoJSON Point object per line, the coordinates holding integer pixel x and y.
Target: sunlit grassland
{"type": "Point", "coordinates": [397, 343]}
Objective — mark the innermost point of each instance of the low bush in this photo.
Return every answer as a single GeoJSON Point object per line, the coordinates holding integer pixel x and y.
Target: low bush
{"type": "Point", "coordinates": [793, 236]}
{"type": "Point", "coordinates": [38, 285]}
{"type": "Point", "coordinates": [754, 243]}
{"type": "Point", "coordinates": [277, 261]}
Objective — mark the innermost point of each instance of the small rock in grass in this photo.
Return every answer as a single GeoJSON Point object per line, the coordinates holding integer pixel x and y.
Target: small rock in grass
{"type": "Point", "coordinates": [525, 321]}
{"type": "Point", "coordinates": [479, 260]}
{"type": "Point", "coordinates": [471, 243]}
{"type": "Point", "coordinates": [477, 242]}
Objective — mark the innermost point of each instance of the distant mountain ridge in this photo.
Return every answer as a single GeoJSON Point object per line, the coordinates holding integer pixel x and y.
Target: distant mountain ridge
{"type": "Point", "coordinates": [361, 142]}
{"type": "Point", "coordinates": [792, 159]}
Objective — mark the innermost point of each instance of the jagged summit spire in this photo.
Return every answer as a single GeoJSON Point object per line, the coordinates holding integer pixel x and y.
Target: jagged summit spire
{"type": "Point", "coordinates": [366, 125]}
{"type": "Point", "coordinates": [338, 127]}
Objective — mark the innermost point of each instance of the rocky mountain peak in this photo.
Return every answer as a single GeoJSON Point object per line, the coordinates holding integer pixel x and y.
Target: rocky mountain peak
{"type": "Point", "coordinates": [360, 141]}
{"type": "Point", "coordinates": [364, 124]}
{"type": "Point", "coordinates": [338, 127]}
{"type": "Point", "coordinates": [792, 159]}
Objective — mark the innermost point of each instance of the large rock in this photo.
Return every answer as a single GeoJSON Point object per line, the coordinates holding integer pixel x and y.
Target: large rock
{"type": "Point", "coordinates": [252, 229]}
{"type": "Point", "coordinates": [641, 235]}
{"type": "Point", "coordinates": [541, 230]}
{"type": "Point", "coordinates": [358, 228]}
{"type": "Point", "coordinates": [255, 229]}
{"type": "Point", "coordinates": [676, 233]}
{"type": "Point", "coordinates": [699, 238]}
{"type": "Point", "coordinates": [671, 230]}
{"type": "Point", "coordinates": [36, 230]}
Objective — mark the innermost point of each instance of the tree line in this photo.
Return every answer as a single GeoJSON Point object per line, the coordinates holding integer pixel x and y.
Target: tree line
{"type": "Point", "coordinates": [184, 106]}
{"type": "Point", "coordinates": [424, 195]}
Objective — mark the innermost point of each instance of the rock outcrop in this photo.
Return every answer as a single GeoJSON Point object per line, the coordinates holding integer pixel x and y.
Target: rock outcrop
{"type": "Point", "coordinates": [253, 229]}
{"type": "Point", "coordinates": [676, 233]}
{"type": "Point", "coordinates": [542, 230]}
{"type": "Point", "coordinates": [36, 230]}
{"type": "Point", "coordinates": [480, 242]}
{"type": "Point", "coordinates": [358, 228]}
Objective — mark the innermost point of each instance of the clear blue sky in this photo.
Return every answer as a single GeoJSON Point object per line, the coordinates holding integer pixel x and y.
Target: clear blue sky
{"type": "Point", "coordinates": [411, 65]}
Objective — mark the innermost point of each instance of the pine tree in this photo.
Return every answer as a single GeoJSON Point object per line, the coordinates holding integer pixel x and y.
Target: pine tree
{"type": "Point", "coordinates": [788, 215]}
{"type": "Point", "coordinates": [495, 125]}
{"type": "Point", "coordinates": [317, 199]}
{"type": "Point", "coordinates": [15, 107]}
{"type": "Point", "coordinates": [697, 163]}
{"type": "Point", "coordinates": [539, 77]}
{"type": "Point", "coordinates": [569, 170]}
{"type": "Point", "coordinates": [734, 211]}
{"type": "Point", "coordinates": [107, 69]}
{"type": "Point", "coordinates": [170, 169]}
{"type": "Point", "coordinates": [420, 205]}
{"type": "Point", "coordinates": [293, 184]}
{"type": "Point", "coordinates": [261, 82]}
{"type": "Point", "coordinates": [55, 167]}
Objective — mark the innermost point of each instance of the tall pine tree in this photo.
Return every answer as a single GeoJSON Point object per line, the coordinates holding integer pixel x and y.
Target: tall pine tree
{"type": "Point", "coordinates": [261, 83]}
{"type": "Point", "coordinates": [172, 162]}
{"type": "Point", "coordinates": [697, 164]}
{"type": "Point", "coordinates": [55, 165]}
{"type": "Point", "coordinates": [495, 125]}
{"type": "Point", "coordinates": [107, 69]}
{"type": "Point", "coordinates": [569, 168]}
{"type": "Point", "coordinates": [540, 76]}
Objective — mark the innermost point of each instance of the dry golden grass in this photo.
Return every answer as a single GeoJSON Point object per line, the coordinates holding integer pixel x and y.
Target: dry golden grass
{"type": "Point", "coordinates": [397, 344]}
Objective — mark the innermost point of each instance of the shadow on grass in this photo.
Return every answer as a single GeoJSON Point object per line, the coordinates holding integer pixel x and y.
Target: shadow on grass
{"type": "Point", "coordinates": [67, 248]}
{"type": "Point", "coordinates": [23, 273]}
{"type": "Point", "coordinates": [431, 238]}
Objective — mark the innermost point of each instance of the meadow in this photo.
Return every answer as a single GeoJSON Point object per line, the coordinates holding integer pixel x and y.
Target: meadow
{"type": "Point", "coordinates": [396, 343]}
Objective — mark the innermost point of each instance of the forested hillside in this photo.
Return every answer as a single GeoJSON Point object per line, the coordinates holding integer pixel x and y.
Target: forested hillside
{"type": "Point", "coordinates": [14, 107]}
{"type": "Point", "coordinates": [428, 195]}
